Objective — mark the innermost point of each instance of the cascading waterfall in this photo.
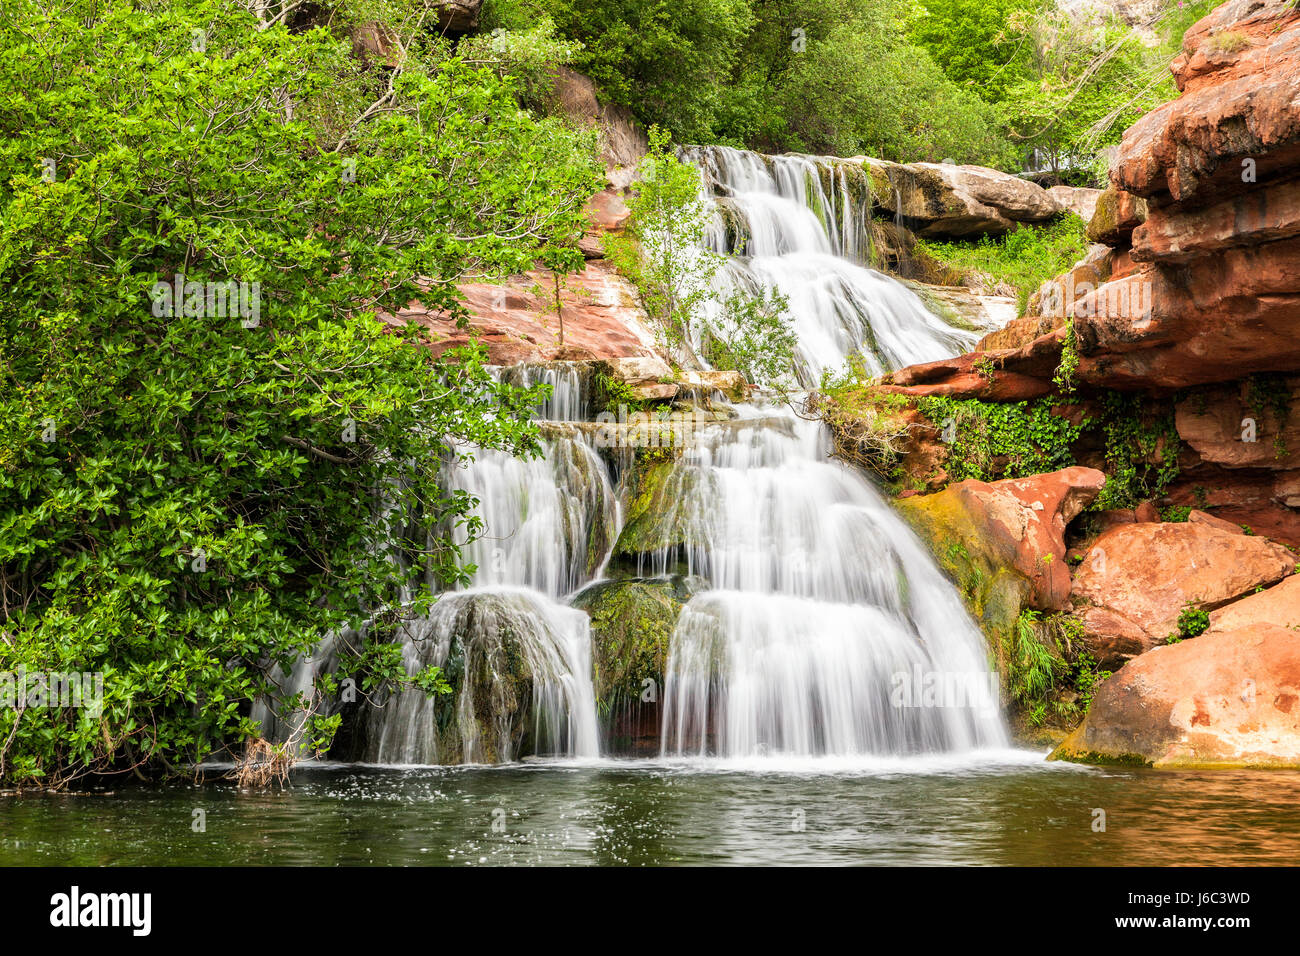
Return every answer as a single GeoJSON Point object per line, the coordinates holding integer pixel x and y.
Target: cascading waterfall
{"type": "Point", "coordinates": [826, 630]}
{"type": "Point", "coordinates": [825, 616]}
{"type": "Point", "coordinates": [798, 225]}
{"type": "Point", "coordinates": [548, 522]}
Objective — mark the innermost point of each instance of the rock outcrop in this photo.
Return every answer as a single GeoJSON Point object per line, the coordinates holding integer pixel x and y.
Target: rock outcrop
{"type": "Point", "coordinates": [1143, 575]}
{"type": "Point", "coordinates": [1004, 541]}
{"type": "Point", "coordinates": [517, 320]}
{"type": "Point", "coordinates": [945, 201]}
{"type": "Point", "coordinates": [1224, 699]}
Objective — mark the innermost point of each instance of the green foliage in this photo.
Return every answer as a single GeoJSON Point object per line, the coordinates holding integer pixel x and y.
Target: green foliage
{"type": "Point", "coordinates": [1175, 513]}
{"type": "Point", "coordinates": [752, 335]}
{"type": "Point", "coordinates": [186, 500]}
{"type": "Point", "coordinates": [1023, 259]}
{"type": "Point", "coordinates": [1063, 377]}
{"type": "Point", "coordinates": [993, 440]}
{"type": "Point", "coordinates": [1192, 622]}
{"type": "Point", "coordinates": [1032, 669]}
{"type": "Point", "coordinates": [1141, 452]}
{"type": "Point", "coordinates": [1086, 677]}
{"type": "Point", "coordinates": [668, 60]}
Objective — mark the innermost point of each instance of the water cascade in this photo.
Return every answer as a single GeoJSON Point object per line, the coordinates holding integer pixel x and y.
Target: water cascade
{"type": "Point", "coordinates": [800, 225]}
{"type": "Point", "coordinates": [816, 624]}
{"type": "Point", "coordinates": [825, 615]}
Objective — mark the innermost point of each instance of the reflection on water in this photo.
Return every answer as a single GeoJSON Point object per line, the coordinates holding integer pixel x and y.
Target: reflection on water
{"type": "Point", "coordinates": [1006, 809]}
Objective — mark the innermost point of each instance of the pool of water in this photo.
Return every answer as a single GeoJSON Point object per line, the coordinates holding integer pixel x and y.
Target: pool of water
{"type": "Point", "coordinates": [1005, 808]}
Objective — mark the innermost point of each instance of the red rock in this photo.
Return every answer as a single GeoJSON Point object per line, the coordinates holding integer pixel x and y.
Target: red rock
{"type": "Point", "coordinates": [1111, 638]}
{"type": "Point", "coordinates": [1182, 235]}
{"type": "Point", "coordinates": [1234, 427]}
{"type": "Point", "coordinates": [1201, 517]}
{"type": "Point", "coordinates": [517, 322]}
{"type": "Point", "coordinates": [1235, 104]}
{"type": "Point", "coordinates": [1228, 698]}
{"type": "Point", "coordinates": [1147, 573]}
{"type": "Point", "coordinates": [622, 142]}
{"type": "Point", "coordinates": [1020, 523]}
{"type": "Point", "coordinates": [1279, 605]}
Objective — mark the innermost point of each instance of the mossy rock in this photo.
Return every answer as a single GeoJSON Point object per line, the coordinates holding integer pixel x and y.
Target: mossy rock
{"type": "Point", "coordinates": [994, 592]}
{"type": "Point", "coordinates": [656, 520]}
{"type": "Point", "coordinates": [632, 623]}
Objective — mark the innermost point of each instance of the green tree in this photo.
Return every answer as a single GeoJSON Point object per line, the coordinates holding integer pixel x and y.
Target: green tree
{"type": "Point", "coordinates": [188, 487]}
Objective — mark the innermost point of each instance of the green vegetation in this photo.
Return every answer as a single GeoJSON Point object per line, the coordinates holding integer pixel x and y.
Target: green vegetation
{"type": "Point", "coordinates": [1046, 674]}
{"type": "Point", "coordinates": [990, 440]}
{"type": "Point", "coordinates": [1141, 452]}
{"type": "Point", "coordinates": [985, 81]}
{"type": "Point", "coordinates": [1192, 622]}
{"type": "Point", "coordinates": [1023, 259]}
{"type": "Point", "coordinates": [187, 489]}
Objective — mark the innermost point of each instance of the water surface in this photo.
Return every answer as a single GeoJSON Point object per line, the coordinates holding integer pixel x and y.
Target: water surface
{"type": "Point", "coordinates": [1008, 808]}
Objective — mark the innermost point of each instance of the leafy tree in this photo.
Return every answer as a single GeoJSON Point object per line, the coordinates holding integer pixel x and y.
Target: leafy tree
{"type": "Point", "coordinates": [187, 492]}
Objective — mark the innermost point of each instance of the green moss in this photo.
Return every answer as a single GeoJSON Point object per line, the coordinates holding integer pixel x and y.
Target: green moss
{"type": "Point", "coordinates": [632, 623]}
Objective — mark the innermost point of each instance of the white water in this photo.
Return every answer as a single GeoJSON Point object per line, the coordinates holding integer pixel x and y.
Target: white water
{"type": "Point", "coordinates": [510, 629]}
{"type": "Point", "coordinates": [825, 616]}
{"type": "Point", "coordinates": [812, 244]}
{"type": "Point", "coordinates": [823, 606]}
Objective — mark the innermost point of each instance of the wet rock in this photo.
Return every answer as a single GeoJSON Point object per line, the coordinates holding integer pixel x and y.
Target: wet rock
{"type": "Point", "coordinates": [632, 623]}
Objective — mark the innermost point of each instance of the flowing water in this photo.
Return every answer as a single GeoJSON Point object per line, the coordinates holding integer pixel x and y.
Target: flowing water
{"type": "Point", "coordinates": [798, 225]}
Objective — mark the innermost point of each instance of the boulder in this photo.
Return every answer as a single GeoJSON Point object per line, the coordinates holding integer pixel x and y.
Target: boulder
{"type": "Point", "coordinates": [940, 200]}
{"type": "Point", "coordinates": [1080, 201]}
{"type": "Point", "coordinates": [1224, 699]}
{"type": "Point", "coordinates": [1111, 639]}
{"type": "Point", "coordinates": [1014, 526]}
{"type": "Point", "coordinates": [458, 16]}
{"type": "Point", "coordinates": [1147, 573]}
{"type": "Point", "coordinates": [1278, 605]}
{"type": "Point", "coordinates": [632, 623]}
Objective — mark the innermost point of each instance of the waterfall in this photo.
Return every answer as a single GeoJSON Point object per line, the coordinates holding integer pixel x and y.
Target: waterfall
{"type": "Point", "coordinates": [825, 617]}
{"type": "Point", "coordinates": [820, 626]}
{"type": "Point", "coordinates": [518, 657]}
{"type": "Point", "coordinates": [799, 225]}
